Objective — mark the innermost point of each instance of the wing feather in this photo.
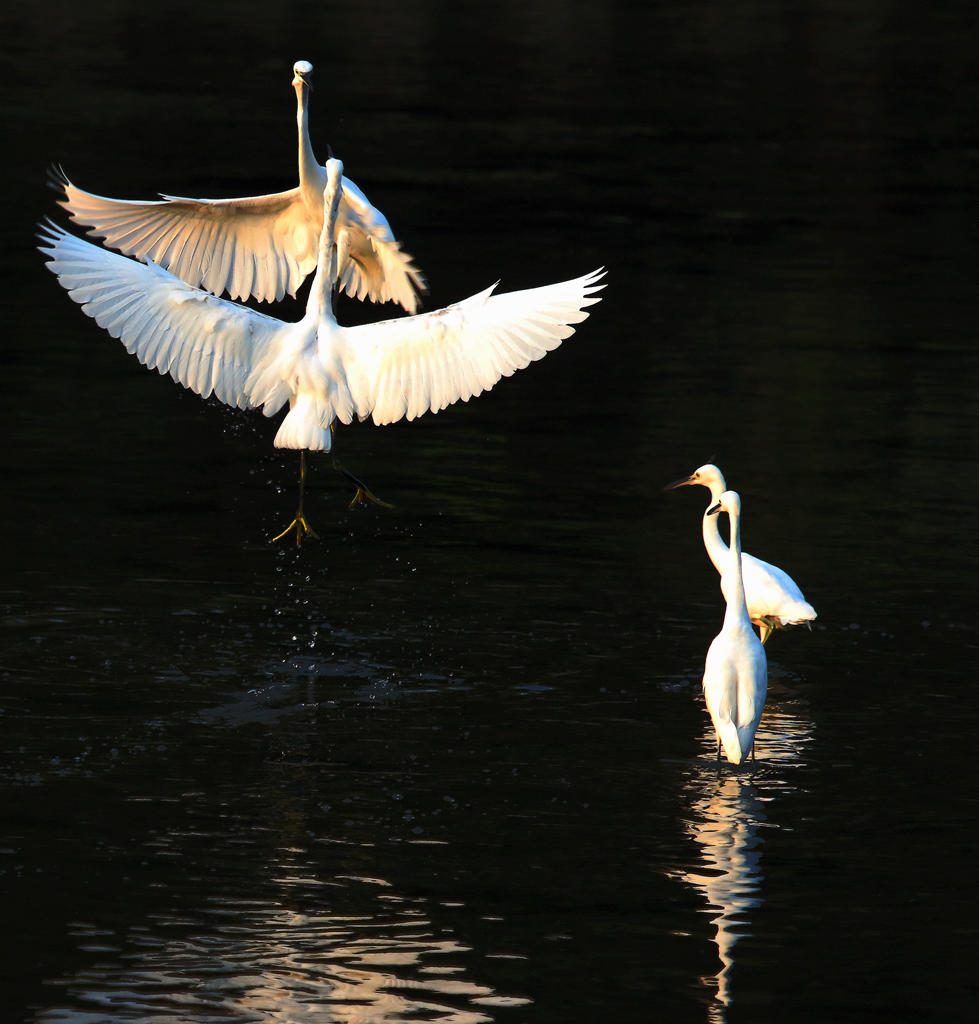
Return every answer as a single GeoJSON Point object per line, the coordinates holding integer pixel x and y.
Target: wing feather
{"type": "Point", "coordinates": [181, 234]}
{"type": "Point", "coordinates": [205, 343]}
{"type": "Point", "coordinates": [261, 246]}
{"type": "Point", "coordinates": [424, 363]}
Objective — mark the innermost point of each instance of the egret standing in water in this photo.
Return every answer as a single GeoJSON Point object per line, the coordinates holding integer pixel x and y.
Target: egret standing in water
{"type": "Point", "coordinates": [773, 598]}
{"type": "Point", "coordinates": [260, 246]}
{"type": "Point", "coordinates": [736, 670]}
{"type": "Point", "coordinates": [327, 373]}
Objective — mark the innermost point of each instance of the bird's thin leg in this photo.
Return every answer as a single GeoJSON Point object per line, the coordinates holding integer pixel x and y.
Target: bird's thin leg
{"type": "Point", "coordinates": [364, 493]}
{"type": "Point", "coordinates": [299, 524]}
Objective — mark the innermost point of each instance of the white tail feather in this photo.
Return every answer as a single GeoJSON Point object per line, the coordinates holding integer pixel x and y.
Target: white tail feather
{"type": "Point", "coordinates": [303, 426]}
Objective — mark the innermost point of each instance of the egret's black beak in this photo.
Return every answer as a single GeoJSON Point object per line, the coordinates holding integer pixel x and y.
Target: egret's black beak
{"type": "Point", "coordinates": [679, 483]}
{"type": "Point", "coordinates": [713, 510]}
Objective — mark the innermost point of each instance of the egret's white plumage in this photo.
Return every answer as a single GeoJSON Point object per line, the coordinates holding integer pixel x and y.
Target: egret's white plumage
{"type": "Point", "coordinates": [736, 670]}
{"type": "Point", "coordinates": [387, 370]}
{"type": "Point", "coordinates": [774, 599]}
{"type": "Point", "coordinates": [260, 246]}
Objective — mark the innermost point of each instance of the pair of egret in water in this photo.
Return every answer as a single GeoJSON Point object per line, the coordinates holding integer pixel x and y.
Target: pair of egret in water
{"type": "Point", "coordinates": [167, 312]}
{"type": "Point", "coordinates": [755, 593]}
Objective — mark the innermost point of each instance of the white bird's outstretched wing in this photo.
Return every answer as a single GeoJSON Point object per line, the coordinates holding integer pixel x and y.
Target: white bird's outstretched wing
{"type": "Point", "coordinates": [376, 268]}
{"type": "Point", "coordinates": [205, 343]}
{"type": "Point", "coordinates": [407, 367]}
{"type": "Point", "coordinates": [260, 246]}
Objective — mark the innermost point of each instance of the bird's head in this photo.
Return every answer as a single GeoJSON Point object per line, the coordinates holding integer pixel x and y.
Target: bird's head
{"type": "Point", "coordinates": [331, 194]}
{"type": "Point", "coordinates": [302, 74]}
{"type": "Point", "coordinates": [708, 476]}
{"type": "Point", "coordinates": [729, 501]}
{"type": "Point", "coordinates": [334, 173]}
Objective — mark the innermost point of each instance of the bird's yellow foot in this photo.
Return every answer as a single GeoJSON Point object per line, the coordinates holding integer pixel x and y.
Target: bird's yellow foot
{"type": "Point", "coordinates": [363, 494]}
{"type": "Point", "coordinates": [302, 528]}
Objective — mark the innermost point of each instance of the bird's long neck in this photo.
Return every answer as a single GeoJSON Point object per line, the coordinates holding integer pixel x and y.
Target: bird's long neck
{"type": "Point", "coordinates": [713, 541]}
{"type": "Point", "coordinates": [736, 614]}
{"type": "Point", "coordinates": [320, 301]}
{"type": "Point", "coordinates": [309, 170]}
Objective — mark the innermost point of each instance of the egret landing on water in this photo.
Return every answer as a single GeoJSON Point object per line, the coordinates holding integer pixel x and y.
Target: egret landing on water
{"type": "Point", "coordinates": [736, 670]}
{"type": "Point", "coordinates": [260, 246]}
{"type": "Point", "coordinates": [327, 373]}
{"type": "Point", "coordinates": [774, 600]}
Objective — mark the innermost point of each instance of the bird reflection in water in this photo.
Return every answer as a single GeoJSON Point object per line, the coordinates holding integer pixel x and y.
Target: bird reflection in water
{"type": "Point", "coordinates": [728, 816]}
{"type": "Point", "coordinates": [726, 829]}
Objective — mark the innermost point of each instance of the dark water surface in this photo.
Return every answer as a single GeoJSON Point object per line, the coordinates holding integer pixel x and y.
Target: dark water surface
{"type": "Point", "coordinates": [451, 763]}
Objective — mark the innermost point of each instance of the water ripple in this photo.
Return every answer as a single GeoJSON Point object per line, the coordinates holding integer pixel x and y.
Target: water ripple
{"type": "Point", "coordinates": [257, 962]}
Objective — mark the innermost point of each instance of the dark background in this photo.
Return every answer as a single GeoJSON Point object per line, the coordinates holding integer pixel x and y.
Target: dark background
{"type": "Point", "coordinates": [451, 763]}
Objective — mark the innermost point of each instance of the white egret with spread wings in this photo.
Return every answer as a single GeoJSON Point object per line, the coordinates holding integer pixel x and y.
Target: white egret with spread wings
{"type": "Point", "coordinates": [259, 246]}
{"type": "Point", "coordinates": [326, 373]}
